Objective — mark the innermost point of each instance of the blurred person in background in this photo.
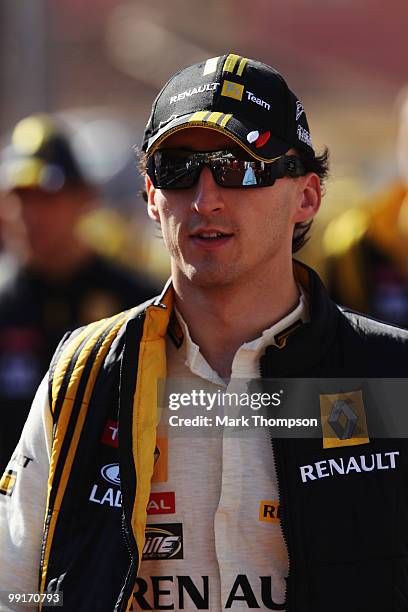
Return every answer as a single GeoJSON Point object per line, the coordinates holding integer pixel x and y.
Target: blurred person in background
{"type": "Point", "coordinates": [51, 281]}
{"type": "Point", "coordinates": [368, 267]}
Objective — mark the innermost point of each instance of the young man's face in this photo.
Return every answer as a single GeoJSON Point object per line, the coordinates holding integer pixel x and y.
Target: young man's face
{"type": "Point", "coordinates": [258, 222]}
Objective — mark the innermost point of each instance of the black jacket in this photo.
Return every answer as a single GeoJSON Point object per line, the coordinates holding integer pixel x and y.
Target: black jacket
{"type": "Point", "coordinates": [347, 537]}
{"type": "Point", "coordinates": [346, 533]}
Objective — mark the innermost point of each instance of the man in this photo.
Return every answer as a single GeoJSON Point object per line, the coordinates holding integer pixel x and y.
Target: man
{"type": "Point", "coordinates": [367, 264]}
{"type": "Point", "coordinates": [50, 280]}
{"type": "Point", "coordinates": [233, 181]}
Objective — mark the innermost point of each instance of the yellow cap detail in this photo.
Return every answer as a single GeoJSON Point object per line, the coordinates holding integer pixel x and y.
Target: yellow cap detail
{"type": "Point", "coordinates": [232, 90]}
{"type": "Point", "coordinates": [213, 118]}
{"type": "Point", "coordinates": [199, 116]}
{"type": "Point", "coordinates": [230, 62]}
{"type": "Point", "coordinates": [241, 66]}
{"type": "Point", "coordinates": [210, 118]}
{"type": "Point", "coordinates": [224, 122]}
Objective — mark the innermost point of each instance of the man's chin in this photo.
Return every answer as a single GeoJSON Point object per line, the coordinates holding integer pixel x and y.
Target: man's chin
{"type": "Point", "coordinates": [211, 276]}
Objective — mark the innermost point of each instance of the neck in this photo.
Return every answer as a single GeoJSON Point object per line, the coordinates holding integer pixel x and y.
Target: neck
{"type": "Point", "coordinates": [220, 319]}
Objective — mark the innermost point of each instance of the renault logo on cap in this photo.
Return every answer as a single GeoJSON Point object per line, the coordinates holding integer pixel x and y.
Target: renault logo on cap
{"type": "Point", "coordinates": [232, 90]}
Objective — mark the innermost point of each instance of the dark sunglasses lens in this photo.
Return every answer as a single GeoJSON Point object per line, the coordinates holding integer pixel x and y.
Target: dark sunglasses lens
{"type": "Point", "coordinates": [246, 174]}
{"type": "Point", "coordinates": [178, 169]}
{"type": "Point", "coordinates": [228, 172]}
{"type": "Point", "coordinates": [240, 173]}
{"type": "Point", "coordinates": [172, 171]}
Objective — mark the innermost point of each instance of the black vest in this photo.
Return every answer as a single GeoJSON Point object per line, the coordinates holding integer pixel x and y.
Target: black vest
{"type": "Point", "coordinates": [345, 528]}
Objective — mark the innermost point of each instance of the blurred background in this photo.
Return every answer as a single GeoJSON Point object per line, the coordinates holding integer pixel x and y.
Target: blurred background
{"type": "Point", "coordinates": [103, 62]}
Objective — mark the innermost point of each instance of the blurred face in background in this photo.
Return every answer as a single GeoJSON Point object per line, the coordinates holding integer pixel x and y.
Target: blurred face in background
{"type": "Point", "coordinates": [40, 228]}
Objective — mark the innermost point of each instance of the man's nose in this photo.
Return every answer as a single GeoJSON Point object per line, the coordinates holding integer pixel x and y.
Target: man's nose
{"type": "Point", "coordinates": [208, 198]}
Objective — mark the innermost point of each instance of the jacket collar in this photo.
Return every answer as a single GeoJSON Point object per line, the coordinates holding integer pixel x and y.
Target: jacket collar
{"type": "Point", "coordinates": [308, 344]}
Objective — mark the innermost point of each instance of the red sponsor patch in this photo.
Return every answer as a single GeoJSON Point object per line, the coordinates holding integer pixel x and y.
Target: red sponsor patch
{"type": "Point", "coordinates": [110, 434]}
{"type": "Point", "coordinates": [162, 503]}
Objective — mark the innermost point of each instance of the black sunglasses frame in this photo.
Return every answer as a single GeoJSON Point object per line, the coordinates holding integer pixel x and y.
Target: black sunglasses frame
{"type": "Point", "coordinates": [285, 165]}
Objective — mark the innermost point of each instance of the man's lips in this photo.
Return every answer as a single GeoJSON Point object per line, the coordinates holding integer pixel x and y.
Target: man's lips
{"type": "Point", "coordinates": [211, 237]}
{"type": "Point", "coordinates": [210, 232]}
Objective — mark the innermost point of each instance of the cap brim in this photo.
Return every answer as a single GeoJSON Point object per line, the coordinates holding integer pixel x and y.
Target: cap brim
{"type": "Point", "coordinates": [259, 143]}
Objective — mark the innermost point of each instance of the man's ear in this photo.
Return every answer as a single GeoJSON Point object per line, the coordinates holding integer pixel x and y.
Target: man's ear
{"type": "Point", "coordinates": [309, 197]}
{"type": "Point", "coordinates": [152, 209]}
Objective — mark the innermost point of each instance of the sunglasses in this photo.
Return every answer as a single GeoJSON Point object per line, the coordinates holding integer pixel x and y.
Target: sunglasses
{"type": "Point", "coordinates": [180, 169]}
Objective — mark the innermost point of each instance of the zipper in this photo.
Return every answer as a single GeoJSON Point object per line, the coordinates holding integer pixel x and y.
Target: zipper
{"type": "Point", "coordinates": [128, 381]}
{"type": "Point", "coordinates": [124, 595]}
{"type": "Point", "coordinates": [277, 460]}
{"type": "Point", "coordinates": [282, 508]}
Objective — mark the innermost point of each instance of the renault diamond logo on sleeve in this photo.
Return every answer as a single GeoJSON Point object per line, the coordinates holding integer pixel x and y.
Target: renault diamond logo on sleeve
{"type": "Point", "coordinates": [232, 90]}
{"type": "Point", "coordinates": [343, 419]}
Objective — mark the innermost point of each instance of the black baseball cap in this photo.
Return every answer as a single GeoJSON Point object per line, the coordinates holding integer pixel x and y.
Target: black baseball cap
{"type": "Point", "coordinates": [245, 99]}
{"type": "Point", "coordinates": [39, 155]}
